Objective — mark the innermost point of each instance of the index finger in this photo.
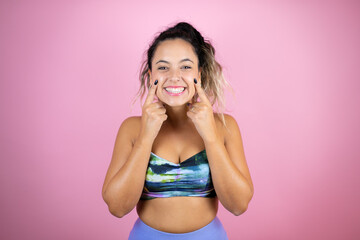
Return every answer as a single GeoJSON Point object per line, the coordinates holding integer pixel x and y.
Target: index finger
{"type": "Point", "coordinates": [150, 97]}
{"type": "Point", "coordinates": [201, 93]}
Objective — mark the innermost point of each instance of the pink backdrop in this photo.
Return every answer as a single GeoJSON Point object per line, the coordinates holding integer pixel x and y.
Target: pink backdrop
{"type": "Point", "coordinates": [68, 72]}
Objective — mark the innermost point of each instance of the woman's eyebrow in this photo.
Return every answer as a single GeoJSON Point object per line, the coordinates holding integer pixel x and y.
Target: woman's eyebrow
{"type": "Point", "coordinates": [186, 59]}
{"type": "Point", "coordinates": [162, 61]}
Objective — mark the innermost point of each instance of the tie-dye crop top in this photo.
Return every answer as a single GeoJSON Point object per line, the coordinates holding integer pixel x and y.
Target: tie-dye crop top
{"type": "Point", "coordinates": [191, 177]}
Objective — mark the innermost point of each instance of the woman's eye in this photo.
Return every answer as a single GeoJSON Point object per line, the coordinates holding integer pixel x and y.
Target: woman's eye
{"type": "Point", "coordinates": [186, 67]}
{"type": "Point", "coordinates": [161, 68]}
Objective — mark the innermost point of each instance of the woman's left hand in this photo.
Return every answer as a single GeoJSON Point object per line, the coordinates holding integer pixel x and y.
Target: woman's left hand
{"type": "Point", "coordinates": [201, 114]}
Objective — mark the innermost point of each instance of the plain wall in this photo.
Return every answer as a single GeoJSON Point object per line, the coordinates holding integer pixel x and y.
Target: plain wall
{"type": "Point", "coordinates": [68, 73]}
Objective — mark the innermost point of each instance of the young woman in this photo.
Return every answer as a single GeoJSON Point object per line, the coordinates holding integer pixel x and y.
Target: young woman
{"type": "Point", "coordinates": [177, 160]}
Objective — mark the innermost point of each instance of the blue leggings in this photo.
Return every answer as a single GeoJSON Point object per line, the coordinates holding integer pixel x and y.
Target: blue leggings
{"type": "Point", "coordinates": [213, 231]}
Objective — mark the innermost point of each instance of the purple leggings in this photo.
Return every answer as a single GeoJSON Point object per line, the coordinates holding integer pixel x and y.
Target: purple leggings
{"type": "Point", "coordinates": [213, 231]}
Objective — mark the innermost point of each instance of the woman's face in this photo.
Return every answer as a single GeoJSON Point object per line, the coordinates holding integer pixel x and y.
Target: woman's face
{"type": "Point", "coordinates": [175, 65]}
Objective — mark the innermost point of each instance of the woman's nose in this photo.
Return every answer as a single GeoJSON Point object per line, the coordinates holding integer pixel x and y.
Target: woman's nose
{"type": "Point", "coordinates": [175, 75]}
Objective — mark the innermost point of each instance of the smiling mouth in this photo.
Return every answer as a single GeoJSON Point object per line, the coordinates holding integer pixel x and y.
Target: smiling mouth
{"type": "Point", "coordinates": [175, 90]}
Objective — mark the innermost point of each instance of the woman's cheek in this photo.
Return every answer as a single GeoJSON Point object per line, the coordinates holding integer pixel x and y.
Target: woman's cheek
{"type": "Point", "coordinates": [191, 89]}
{"type": "Point", "coordinates": [188, 74]}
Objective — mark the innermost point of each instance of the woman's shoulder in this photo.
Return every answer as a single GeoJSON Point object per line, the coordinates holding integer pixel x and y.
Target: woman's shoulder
{"type": "Point", "coordinates": [227, 123]}
{"type": "Point", "coordinates": [130, 126]}
{"type": "Point", "coordinates": [228, 119]}
{"type": "Point", "coordinates": [229, 129]}
{"type": "Point", "coordinates": [132, 120]}
{"type": "Point", "coordinates": [131, 123]}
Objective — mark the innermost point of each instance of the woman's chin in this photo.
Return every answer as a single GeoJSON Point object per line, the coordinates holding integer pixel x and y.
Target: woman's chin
{"type": "Point", "coordinates": [172, 104]}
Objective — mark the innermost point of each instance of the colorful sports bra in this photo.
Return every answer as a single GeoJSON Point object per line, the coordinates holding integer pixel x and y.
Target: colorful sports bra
{"type": "Point", "coordinates": [191, 178]}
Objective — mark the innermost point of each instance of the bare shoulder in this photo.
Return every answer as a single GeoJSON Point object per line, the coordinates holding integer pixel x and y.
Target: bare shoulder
{"type": "Point", "coordinates": [230, 126]}
{"type": "Point", "coordinates": [230, 121]}
{"type": "Point", "coordinates": [130, 127]}
{"type": "Point", "coordinates": [132, 121]}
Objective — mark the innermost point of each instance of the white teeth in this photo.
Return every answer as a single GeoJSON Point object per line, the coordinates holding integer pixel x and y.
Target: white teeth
{"type": "Point", "coordinates": [175, 90]}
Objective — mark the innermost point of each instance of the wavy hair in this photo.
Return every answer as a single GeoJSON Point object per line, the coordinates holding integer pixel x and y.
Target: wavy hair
{"type": "Point", "coordinates": [212, 79]}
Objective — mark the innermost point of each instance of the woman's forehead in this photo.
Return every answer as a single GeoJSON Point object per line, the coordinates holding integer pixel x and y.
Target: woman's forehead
{"type": "Point", "coordinates": [174, 49]}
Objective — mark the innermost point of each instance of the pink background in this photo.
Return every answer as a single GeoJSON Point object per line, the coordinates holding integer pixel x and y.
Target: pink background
{"type": "Point", "coordinates": [68, 72]}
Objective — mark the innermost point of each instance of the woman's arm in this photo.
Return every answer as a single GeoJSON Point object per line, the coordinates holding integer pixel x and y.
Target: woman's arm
{"type": "Point", "coordinates": [125, 177]}
{"type": "Point", "coordinates": [229, 170]}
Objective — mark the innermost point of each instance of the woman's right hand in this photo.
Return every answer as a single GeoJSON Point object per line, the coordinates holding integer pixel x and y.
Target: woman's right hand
{"type": "Point", "coordinates": [153, 116]}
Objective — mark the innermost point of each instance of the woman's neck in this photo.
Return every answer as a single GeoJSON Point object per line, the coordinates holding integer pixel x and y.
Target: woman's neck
{"type": "Point", "coordinates": [177, 116]}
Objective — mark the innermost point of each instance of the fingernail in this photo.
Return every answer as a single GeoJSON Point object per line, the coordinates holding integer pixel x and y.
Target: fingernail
{"type": "Point", "coordinates": [156, 82]}
{"type": "Point", "coordinates": [195, 81]}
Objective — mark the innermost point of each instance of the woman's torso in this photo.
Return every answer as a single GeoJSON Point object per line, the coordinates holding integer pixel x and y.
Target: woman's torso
{"type": "Point", "coordinates": [177, 214]}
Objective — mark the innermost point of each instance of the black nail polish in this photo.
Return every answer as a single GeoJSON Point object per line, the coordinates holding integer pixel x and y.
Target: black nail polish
{"type": "Point", "coordinates": [195, 81]}
{"type": "Point", "coordinates": [156, 82]}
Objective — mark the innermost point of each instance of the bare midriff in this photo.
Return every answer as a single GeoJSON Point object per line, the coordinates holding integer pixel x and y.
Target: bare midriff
{"type": "Point", "coordinates": [177, 214]}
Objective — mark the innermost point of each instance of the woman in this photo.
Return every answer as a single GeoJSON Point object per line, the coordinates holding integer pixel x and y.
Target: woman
{"type": "Point", "coordinates": [180, 157]}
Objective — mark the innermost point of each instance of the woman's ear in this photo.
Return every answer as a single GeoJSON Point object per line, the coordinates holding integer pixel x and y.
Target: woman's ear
{"type": "Point", "coordinates": [200, 73]}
